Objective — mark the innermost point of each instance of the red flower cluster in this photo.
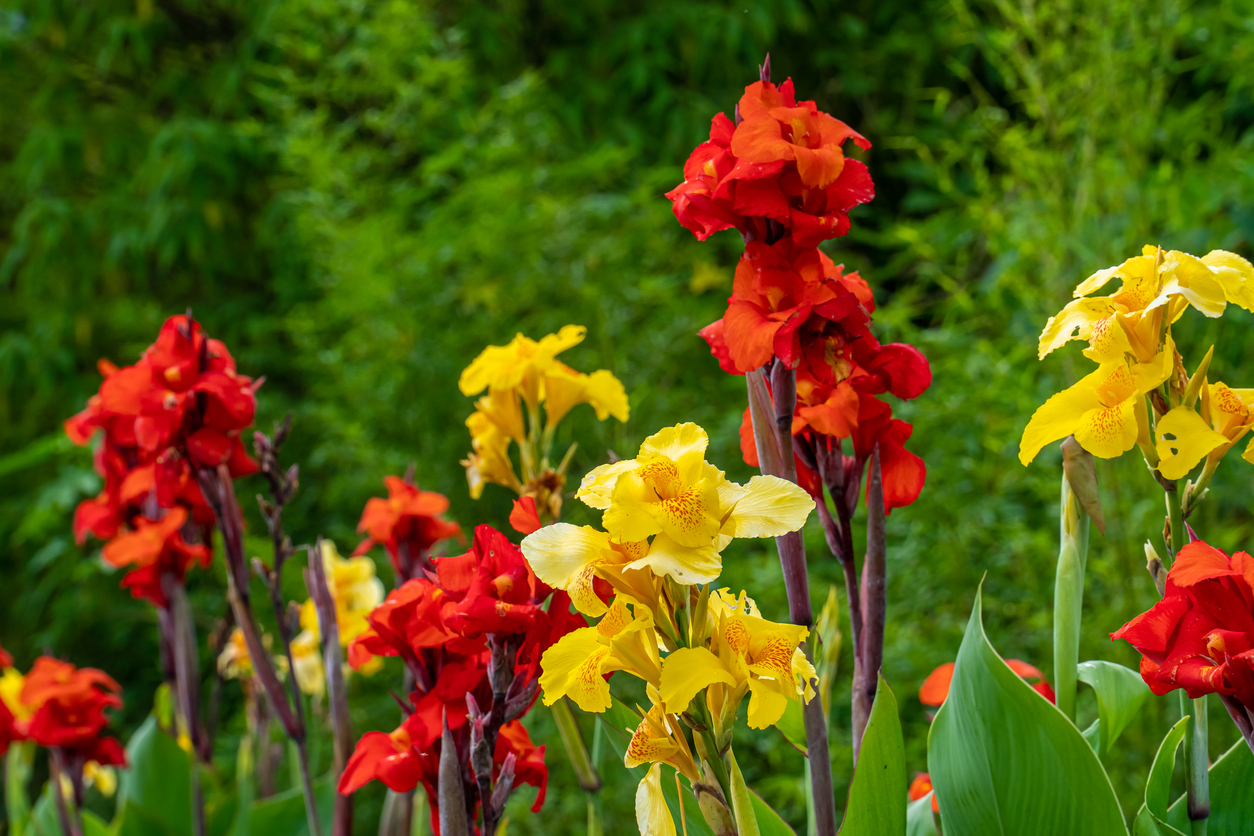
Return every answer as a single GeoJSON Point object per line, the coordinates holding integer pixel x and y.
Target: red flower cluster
{"type": "Point", "coordinates": [783, 163]}
{"type": "Point", "coordinates": [471, 634]}
{"type": "Point", "coordinates": [1200, 636]}
{"type": "Point", "coordinates": [408, 523]}
{"type": "Point", "coordinates": [61, 706]}
{"type": "Point", "coordinates": [780, 177]}
{"type": "Point", "coordinates": [181, 408]}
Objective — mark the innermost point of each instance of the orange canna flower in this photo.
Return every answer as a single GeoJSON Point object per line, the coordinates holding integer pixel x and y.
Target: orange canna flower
{"type": "Point", "coordinates": [68, 702]}
{"type": "Point", "coordinates": [153, 548]}
{"type": "Point", "coordinates": [935, 688]}
{"type": "Point", "coordinates": [408, 523]}
{"type": "Point", "coordinates": [921, 786]}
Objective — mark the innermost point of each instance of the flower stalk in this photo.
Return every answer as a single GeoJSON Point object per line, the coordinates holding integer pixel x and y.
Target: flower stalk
{"type": "Point", "coordinates": [337, 694]}
{"type": "Point", "coordinates": [776, 456]}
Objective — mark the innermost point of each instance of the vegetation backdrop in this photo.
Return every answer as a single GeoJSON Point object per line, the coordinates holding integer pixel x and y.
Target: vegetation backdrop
{"type": "Point", "coordinates": [358, 196]}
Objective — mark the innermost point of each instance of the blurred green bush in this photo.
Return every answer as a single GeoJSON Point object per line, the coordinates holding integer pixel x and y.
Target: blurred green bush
{"type": "Point", "coordinates": [358, 196]}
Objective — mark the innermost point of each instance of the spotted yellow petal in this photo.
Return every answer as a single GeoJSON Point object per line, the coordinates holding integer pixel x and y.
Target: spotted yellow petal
{"type": "Point", "coordinates": [572, 668]}
{"type": "Point", "coordinates": [1108, 431]}
{"type": "Point", "coordinates": [653, 817]}
{"type": "Point", "coordinates": [685, 672]}
{"type": "Point", "coordinates": [1183, 439]}
{"type": "Point", "coordinates": [650, 743]}
{"type": "Point", "coordinates": [767, 507]}
{"type": "Point", "coordinates": [686, 564]}
{"type": "Point", "coordinates": [1075, 321]}
{"type": "Point", "coordinates": [1059, 416]}
{"type": "Point", "coordinates": [1109, 339]}
{"type": "Point", "coordinates": [565, 556]}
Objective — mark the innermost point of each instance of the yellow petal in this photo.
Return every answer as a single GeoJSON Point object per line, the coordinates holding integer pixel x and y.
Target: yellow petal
{"type": "Point", "coordinates": [1075, 320]}
{"type": "Point", "coordinates": [597, 486]}
{"type": "Point", "coordinates": [766, 703]}
{"type": "Point", "coordinates": [1234, 274]}
{"type": "Point", "coordinates": [768, 507]}
{"type": "Point", "coordinates": [1108, 339]}
{"type": "Point", "coordinates": [649, 743]}
{"type": "Point", "coordinates": [1108, 431]}
{"type": "Point", "coordinates": [683, 563]}
{"type": "Point", "coordinates": [673, 442]}
{"type": "Point", "coordinates": [497, 366]}
{"type": "Point", "coordinates": [1183, 439]}
{"type": "Point", "coordinates": [629, 516]}
{"type": "Point", "coordinates": [685, 672]}
{"type": "Point", "coordinates": [607, 396]}
{"type": "Point", "coordinates": [1099, 279]}
{"type": "Point", "coordinates": [572, 668]}
{"type": "Point", "coordinates": [1187, 276]}
{"type": "Point", "coordinates": [564, 388]}
{"type": "Point", "coordinates": [503, 408]}
{"type": "Point", "coordinates": [564, 556]}
{"type": "Point", "coordinates": [1059, 416]}
{"type": "Point", "coordinates": [568, 337]}
{"type": "Point", "coordinates": [653, 817]}
{"type": "Point", "coordinates": [691, 517]}
{"type": "Point", "coordinates": [1151, 375]}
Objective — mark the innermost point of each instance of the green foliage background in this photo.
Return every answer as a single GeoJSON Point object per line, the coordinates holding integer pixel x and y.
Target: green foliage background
{"type": "Point", "coordinates": [359, 196]}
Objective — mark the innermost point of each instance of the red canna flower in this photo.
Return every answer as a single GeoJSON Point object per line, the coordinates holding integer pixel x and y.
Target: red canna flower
{"type": "Point", "coordinates": [390, 758]}
{"type": "Point", "coordinates": [529, 766]}
{"type": "Point", "coordinates": [493, 585]}
{"type": "Point", "coordinates": [409, 620]}
{"type": "Point", "coordinates": [68, 703]}
{"type": "Point", "coordinates": [784, 163]}
{"type": "Point", "coordinates": [1200, 636]}
{"type": "Point", "coordinates": [154, 548]}
{"type": "Point", "coordinates": [408, 523]}
{"type": "Point", "coordinates": [6, 661]}
{"type": "Point", "coordinates": [921, 786]}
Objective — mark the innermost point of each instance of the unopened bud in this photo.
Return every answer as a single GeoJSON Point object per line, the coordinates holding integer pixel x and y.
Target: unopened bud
{"type": "Point", "coordinates": [1154, 564]}
{"type": "Point", "coordinates": [504, 783]}
{"type": "Point", "coordinates": [714, 807]}
{"type": "Point", "coordinates": [480, 754]}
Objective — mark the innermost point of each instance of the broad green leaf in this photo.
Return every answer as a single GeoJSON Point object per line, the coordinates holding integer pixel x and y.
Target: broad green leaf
{"type": "Point", "coordinates": [1231, 802]}
{"type": "Point", "coordinates": [920, 820]}
{"type": "Point", "coordinates": [284, 814]}
{"type": "Point", "coordinates": [156, 787]}
{"type": "Point", "coordinates": [1120, 694]}
{"type": "Point", "coordinates": [1004, 760]}
{"type": "Point", "coordinates": [877, 795]}
{"type": "Point", "coordinates": [1158, 786]}
{"type": "Point", "coordinates": [1093, 735]}
{"type": "Point", "coordinates": [792, 725]}
{"type": "Point", "coordinates": [769, 822]}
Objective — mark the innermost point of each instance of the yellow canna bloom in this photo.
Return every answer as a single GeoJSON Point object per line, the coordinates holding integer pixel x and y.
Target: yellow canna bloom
{"type": "Point", "coordinates": [234, 661]}
{"type": "Point", "coordinates": [489, 460]}
{"type": "Point", "coordinates": [670, 493]}
{"type": "Point", "coordinates": [1156, 286]}
{"type": "Point", "coordinates": [746, 653]}
{"type": "Point", "coordinates": [103, 778]}
{"type": "Point", "coordinates": [519, 365]}
{"type": "Point", "coordinates": [307, 663]}
{"type": "Point", "coordinates": [569, 557]}
{"type": "Point", "coordinates": [623, 640]}
{"type": "Point", "coordinates": [356, 589]}
{"type": "Point", "coordinates": [565, 388]}
{"type": "Point", "coordinates": [1105, 411]}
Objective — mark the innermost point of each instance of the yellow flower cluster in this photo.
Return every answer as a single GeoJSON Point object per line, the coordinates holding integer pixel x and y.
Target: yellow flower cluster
{"type": "Point", "coordinates": [356, 590]}
{"type": "Point", "coordinates": [526, 373]}
{"type": "Point", "coordinates": [1140, 372]}
{"type": "Point", "coordinates": [668, 515]}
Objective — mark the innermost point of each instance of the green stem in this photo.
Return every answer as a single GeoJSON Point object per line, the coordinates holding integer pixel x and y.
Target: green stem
{"type": "Point", "coordinates": [575, 748]}
{"type": "Point", "coordinates": [1196, 754]}
{"type": "Point", "coordinates": [1069, 597]}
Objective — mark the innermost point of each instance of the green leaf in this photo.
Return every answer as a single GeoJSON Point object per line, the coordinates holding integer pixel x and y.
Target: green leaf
{"type": "Point", "coordinates": [155, 791]}
{"type": "Point", "coordinates": [17, 767]}
{"type": "Point", "coordinates": [920, 820]}
{"type": "Point", "coordinates": [877, 795]}
{"type": "Point", "coordinates": [1158, 787]}
{"type": "Point", "coordinates": [792, 725]}
{"type": "Point", "coordinates": [1004, 760]}
{"type": "Point", "coordinates": [284, 814]}
{"type": "Point", "coordinates": [1231, 802]}
{"type": "Point", "coordinates": [770, 823]}
{"type": "Point", "coordinates": [1120, 694]}
{"type": "Point", "coordinates": [1093, 735]}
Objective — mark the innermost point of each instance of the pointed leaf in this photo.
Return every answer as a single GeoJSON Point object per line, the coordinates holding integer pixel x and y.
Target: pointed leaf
{"type": "Point", "coordinates": [1120, 694]}
{"type": "Point", "coordinates": [1004, 760]}
{"type": "Point", "coordinates": [877, 794]}
{"type": "Point", "coordinates": [1231, 802]}
{"type": "Point", "coordinates": [1158, 787]}
{"type": "Point", "coordinates": [770, 823]}
{"type": "Point", "coordinates": [155, 789]}
{"type": "Point", "coordinates": [920, 820]}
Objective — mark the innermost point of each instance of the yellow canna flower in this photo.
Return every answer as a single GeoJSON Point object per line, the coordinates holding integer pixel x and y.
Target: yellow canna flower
{"type": "Point", "coordinates": [623, 640]}
{"type": "Point", "coordinates": [356, 589]}
{"type": "Point", "coordinates": [690, 509]}
{"type": "Point", "coordinates": [234, 661]}
{"type": "Point", "coordinates": [747, 653]}
{"type": "Point", "coordinates": [103, 778]}
{"type": "Point", "coordinates": [1105, 411]}
{"type": "Point", "coordinates": [489, 460]}
{"type": "Point", "coordinates": [519, 365]}
{"type": "Point", "coordinates": [570, 557]}
{"type": "Point", "coordinates": [565, 388]}
{"type": "Point", "coordinates": [307, 663]}
{"type": "Point", "coordinates": [1156, 285]}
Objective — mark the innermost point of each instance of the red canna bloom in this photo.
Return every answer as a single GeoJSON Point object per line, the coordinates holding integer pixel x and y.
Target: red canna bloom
{"type": "Point", "coordinates": [389, 758]}
{"type": "Point", "coordinates": [920, 787]}
{"type": "Point", "coordinates": [493, 585]}
{"type": "Point", "coordinates": [154, 548]}
{"type": "Point", "coordinates": [408, 523]}
{"type": "Point", "coordinates": [1200, 636]}
{"type": "Point", "coordinates": [529, 766]}
{"type": "Point", "coordinates": [68, 703]}
{"type": "Point", "coordinates": [409, 620]}
{"type": "Point", "coordinates": [6, 661]}
{"type": "Point", "coordinates": [784, 163]}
